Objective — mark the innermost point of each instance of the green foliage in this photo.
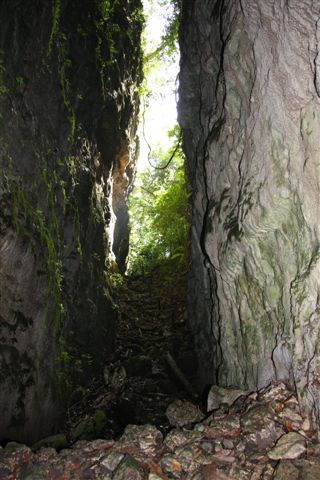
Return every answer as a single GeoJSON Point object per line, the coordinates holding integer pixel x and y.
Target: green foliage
{"type": "Point", "coordinates": [160, 53]}
{"type": "Point", "coordinates": [168, 44]}
{"type": "Point", "coordinates": [59, 39]}
{"type": "Point", "coordinates": [31, 222]}
{"type": "Point", "coordinates": [56, 14]}
{"type": "Point", "coordinates": [3, 88]}
{"type": "Point", "coordinates": [110, 35]}
{"type": "Point", "coordinates": [106, 29]}
{"type": "Point", "coordinates": [159, 213]}
{"type": "Point", "coordinates": [36, 217]}
{"type": "Point", "coordinates": [116, 280]}
{"type": "Point", "coordinates": [170, 38]}
{"type": "Point", "coordinates": [20, 81]}
{"type": "Point", "coordinates": [91, 428]}
{"type": "Point", "coordinates": [159, 202]}
{"type": "Point", "coordinates": [65, 66]}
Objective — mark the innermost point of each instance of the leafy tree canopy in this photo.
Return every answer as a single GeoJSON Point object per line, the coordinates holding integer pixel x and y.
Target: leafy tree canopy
{"type": "Point", "coordinates": [159, 212]}
{"type": "Point", "coordinates": [159, 202]}
{"type": "Point", "coordinates": [168, 44]}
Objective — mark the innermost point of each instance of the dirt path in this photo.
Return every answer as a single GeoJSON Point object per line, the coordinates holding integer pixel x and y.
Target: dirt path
{"type": "Point", "coordinates": [153, 365]}
{"type": "Point", "coordinates": [155, 348]}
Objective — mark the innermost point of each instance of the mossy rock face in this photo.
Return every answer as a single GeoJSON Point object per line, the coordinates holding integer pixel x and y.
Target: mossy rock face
{"type": "Point", "coordinates": [95, 426]}
{"type": "Point", "coordinates": [57, 442]}
{"type": "Point", "coordinates": [66, 69]}
{"type": "Point", "coordinates": [253, 159]}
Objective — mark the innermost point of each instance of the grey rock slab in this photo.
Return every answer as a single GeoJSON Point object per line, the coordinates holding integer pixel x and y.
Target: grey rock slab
{"type": "Point", "coordinates": [38, 189]}
{"type": "Point", "coordinates": [220, 395]}
{"type": "Point", "coordinates": [46, 454]}
{"type": "Point", "coordinates": [13, 455]}
{"type": "Point", "coordinates": [93, 472]}
{"type": "Point", "coordinates": [223, 458]}
{"type": "Point", "coordinates": [94, 448]}
{"type": "Point", "coordinates": [129, 469]}
{"type": "Point", "coordinates": [180, 413]}
{"type": "Point", "coordinates": [170, 465]}
{"type": "Point", "coordinates": [289, 416]}
{"type": "Point", "coordinates": [208, 445]}
{"type": "Point", "coordinates": [178, 437]}
{"type": "Point", "coordinates": [5, 470]}
{"type": "Point", "coordinates": [191, 456]}
{"type": "Point", "coordinates": [210, 472]}
{"type": "Point", "coordinates": [112, 460]}
{"type": "Point", "coordinates": [286, 470]}
{"type": "Point", "coordinates": [311, 472]}
{"type": "Point", "coordinates": [145, 437]}
{"type": "Point", "coordinates": [224, 427]}
{"type": "Point", "coordinates": [262, 472]}
{"type": "Point", "coordinates": [290, 446]}
{"type": "Point", "coordinates": [228, 444]}
{"type": "Point", "coordinates": [34, 472]}
{"type": "Point", "coordinates": [259, 429]}
{"type": "Point", "coordinates": [277, 391]}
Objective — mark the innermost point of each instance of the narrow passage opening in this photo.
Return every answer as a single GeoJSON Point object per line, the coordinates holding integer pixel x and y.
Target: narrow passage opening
{"type": "Point", "coordinates": [154, 343]}
{"type": "Point", "coordinates": [154, 365]}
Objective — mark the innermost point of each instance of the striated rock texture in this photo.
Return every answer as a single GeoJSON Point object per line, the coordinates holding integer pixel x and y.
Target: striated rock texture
{"type": "Point", "coordinates": [69, 72]}
{"type": "Point", "coordinates": [250, 111]}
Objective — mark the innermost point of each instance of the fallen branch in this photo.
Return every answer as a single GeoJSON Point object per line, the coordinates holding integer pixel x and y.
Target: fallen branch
{"type": "Point", "coordinates": [180, 375]}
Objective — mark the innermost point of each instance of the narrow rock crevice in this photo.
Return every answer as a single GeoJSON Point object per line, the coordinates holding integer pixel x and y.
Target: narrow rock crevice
{"type": "Point", "coordinates": [222, 384]}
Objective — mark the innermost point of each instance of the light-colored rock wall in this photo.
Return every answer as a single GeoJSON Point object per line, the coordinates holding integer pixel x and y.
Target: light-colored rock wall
{"type": "Point", "coordinates": [250, 111]}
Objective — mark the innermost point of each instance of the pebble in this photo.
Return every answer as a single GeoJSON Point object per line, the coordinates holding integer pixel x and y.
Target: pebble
{"type": "Point", "coordinates": [112, 460]}
{"type": "Point", "coordinates": [181, 413]}
{"type": "Point", "coordinates": [286, 471]}
{"type": "Point", "coordinates": [210, 472]}
{"type": "Point", "coordinates": [222, 459]}
{"type": "Point", "coordinates": [129, 469]}
{"type": "Point", "coordinates": [170, 465]}
{"type": "Point", "coordinates": [289, 446]}
{"type": "Point", "coordinates": [228, 444]}
{"type": "Point", "coordinates": [259, 429]}
{"type": "Point", "coordinates": [219, 396]}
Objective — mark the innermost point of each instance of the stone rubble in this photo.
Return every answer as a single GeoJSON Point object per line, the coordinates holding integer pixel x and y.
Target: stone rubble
{"type": "Point", "coordinates": [140, 382]}
{"type": "Point", "coordinates": [263, 437]}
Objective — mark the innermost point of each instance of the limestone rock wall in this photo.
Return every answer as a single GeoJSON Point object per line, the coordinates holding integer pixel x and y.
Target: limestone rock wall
{"type": "Point", "coordinates": [69, 72]}
{"type": "Point", "coordinates": [250, 111]}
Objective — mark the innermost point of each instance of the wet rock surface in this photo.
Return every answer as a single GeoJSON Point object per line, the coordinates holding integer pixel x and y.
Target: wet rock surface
{"type": "Point", "coordinates": [214, 449]}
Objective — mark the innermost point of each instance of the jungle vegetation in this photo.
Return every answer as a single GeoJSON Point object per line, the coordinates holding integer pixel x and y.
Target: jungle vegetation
{"type": "Point", "coordinates": [158, 204]}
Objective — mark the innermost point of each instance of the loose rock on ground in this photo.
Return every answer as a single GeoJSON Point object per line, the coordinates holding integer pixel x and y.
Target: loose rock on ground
{"type": "Point", "coordinates": [263, 436]}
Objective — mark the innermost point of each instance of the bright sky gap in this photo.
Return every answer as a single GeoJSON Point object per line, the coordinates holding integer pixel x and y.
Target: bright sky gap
{"type": "Point", "coordinates": [159, 109]}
